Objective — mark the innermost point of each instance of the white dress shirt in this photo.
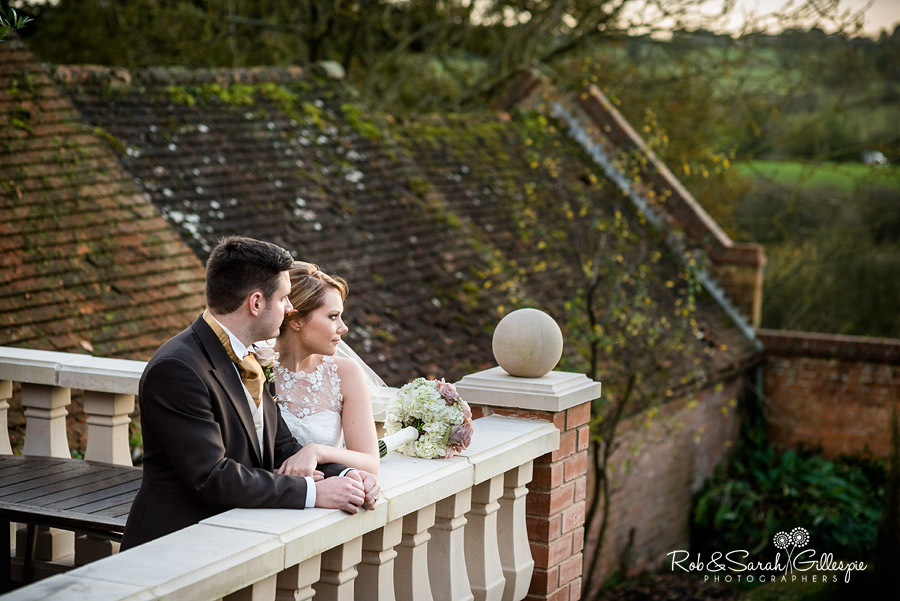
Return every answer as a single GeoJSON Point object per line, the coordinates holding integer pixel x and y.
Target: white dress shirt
{"type": "Point", "coordinates": [241, 351]}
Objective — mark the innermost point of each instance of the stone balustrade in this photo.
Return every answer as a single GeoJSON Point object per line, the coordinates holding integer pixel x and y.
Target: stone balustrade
{"type": "Point", "coordinates": [453, 529]}
{"type": "Point", "coordinates": [47, 379]}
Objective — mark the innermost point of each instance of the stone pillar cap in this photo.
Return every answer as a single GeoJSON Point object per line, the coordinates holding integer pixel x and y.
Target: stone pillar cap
{"type": "Point", "coordinates": [556, 391]}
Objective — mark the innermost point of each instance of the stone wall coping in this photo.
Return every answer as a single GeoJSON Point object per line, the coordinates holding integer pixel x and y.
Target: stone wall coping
{"type": "Point", "coordinates": [610, 123]}
{"type": "Point", "coordinates": [831, 346]}
{"type": "Point", "coordinates": [81, 589]}
{"type": "Point", "coordinates": [681, 205]}
{"type": "Point", "coordinates": [305, 533]}
{"type": "Point", "coordinates": [70, 370]}
{"type": "Point", "coordinates": [100, 374]}
{"type": "Point", "coordinates": [228, 551]}
{"type": "Point", "coordinates": [31, 366]}
{"type": "Point", "coordinates": [199, 562]}
{"type": "Point", "coordinates": [505, 443]}
{"type": "Point", "coordinates": [380, 397]}
{"type": "Point", "coordinates": [554, 392]}
{"type": "Point", "coordinates": [409, 483]}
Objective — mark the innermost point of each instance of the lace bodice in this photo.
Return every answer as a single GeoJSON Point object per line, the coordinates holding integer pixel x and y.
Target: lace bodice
{"type": "Point", "coordinates": [311, 403]}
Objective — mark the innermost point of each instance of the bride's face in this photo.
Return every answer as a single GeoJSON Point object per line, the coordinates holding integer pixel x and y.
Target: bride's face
{"type": "Point", "coordinates": [323, 329]}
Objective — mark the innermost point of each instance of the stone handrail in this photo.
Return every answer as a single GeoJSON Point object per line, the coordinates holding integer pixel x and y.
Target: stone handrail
{"type": "Point", "coordinates": [47, 378]}
{"type": "Point", "coordinates": [109, 386]}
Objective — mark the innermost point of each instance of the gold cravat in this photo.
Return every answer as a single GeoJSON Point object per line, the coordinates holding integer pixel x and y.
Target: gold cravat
{"type": "Point", "coordinates": [251, 373]}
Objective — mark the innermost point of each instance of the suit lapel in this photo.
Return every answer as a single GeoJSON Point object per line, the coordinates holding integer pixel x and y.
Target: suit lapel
{"type": "Point", "coordinates": [270, 428]}
{"type": "Point", "coordinates": [224, 371]}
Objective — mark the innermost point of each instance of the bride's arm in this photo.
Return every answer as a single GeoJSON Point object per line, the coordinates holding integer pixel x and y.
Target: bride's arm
{"type": "Point", "coordinates": [357, 422]}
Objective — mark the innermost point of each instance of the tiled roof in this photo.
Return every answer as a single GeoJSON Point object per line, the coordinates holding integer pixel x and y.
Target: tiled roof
{"type": "Point", "coordinates": [428, 219]}
{"type": "Point", "coordinates": [278, 156]}
{"type": "Point", "coordinates": [440, 224]}
{"type": "Point", "coordinates": [88, 264]}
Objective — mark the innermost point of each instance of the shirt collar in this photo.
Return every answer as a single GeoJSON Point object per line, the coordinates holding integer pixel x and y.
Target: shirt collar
{"type": "Point", "coordinates": [239, 348]}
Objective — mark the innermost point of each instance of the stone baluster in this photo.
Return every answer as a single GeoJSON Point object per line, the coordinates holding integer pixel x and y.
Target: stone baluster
{"type": "Point", "coordinates": [376, 570]}
{"type": "Point", "coordinates": [515, 553]}
{"type": "Point", "coordinates": [45, 420]}
{"type": "Point", "coordinates": [45, 435]}
{"type": "Point", "coordinates": [411, 576]}
{"type": "Point", "coordinates": [264, 590]}
{"type": "Point", "coordinates": [90, 548]}
{"type": "Point", "coordinates": [447, 568]}
{"type": "Point", "coordinates": [482, 546]}
{"type": "Point", "coordinates": [110, 386]}
{"type": "Point", "coordinates": [338, 575]}
{"type": "Point", "coordinates": [108, 420]}
{"type": "Point", "coordinates": [296, 582]}
{"type": "Point", "coordinates": [5, 395]}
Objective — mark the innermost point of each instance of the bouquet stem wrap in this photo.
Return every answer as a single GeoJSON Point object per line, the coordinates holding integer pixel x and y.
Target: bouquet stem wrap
{"type": "Point", "coordinates": [397, 440]}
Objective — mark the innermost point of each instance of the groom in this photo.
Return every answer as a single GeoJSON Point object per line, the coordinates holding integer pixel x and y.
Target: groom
{"type": "Point", "coordinates": [213, 436]}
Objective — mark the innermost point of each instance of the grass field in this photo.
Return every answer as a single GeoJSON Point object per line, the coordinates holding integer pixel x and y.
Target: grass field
{"type": "Point", "coordinates": [846, 177]}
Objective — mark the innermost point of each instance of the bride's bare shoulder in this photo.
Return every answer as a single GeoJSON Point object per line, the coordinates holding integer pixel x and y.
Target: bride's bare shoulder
{"type": "Point", "coordinates": [348, 368]}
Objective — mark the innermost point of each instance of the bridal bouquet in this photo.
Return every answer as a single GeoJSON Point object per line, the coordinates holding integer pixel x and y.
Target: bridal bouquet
{"type": "Point", "coordinates": [427, 419]}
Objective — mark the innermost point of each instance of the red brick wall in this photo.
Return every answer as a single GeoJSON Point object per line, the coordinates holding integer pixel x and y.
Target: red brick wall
{"type": "Point", "coordinates": [660, 464]}
{"type": "Point", "coordinates": [830, 392]}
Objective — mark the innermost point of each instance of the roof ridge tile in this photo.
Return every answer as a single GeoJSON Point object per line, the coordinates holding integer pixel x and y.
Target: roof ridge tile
{"type": "Point", "coordinates": [174, 75]}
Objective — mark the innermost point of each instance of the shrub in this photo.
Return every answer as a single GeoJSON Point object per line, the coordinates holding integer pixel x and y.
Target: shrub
{"type": "Point", "coordinates": [763, 491]}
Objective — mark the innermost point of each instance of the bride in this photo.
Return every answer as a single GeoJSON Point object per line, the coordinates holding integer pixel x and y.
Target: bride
{"type": "Point", "coordinates": [322, 396]}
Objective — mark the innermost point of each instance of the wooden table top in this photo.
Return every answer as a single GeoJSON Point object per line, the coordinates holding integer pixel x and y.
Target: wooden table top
{"type": "Point", "coordinates": [74, 494]}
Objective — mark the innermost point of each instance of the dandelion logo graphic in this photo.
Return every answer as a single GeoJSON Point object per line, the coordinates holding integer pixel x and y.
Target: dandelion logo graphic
{"type": "Point", "coordinates": [797, 538]}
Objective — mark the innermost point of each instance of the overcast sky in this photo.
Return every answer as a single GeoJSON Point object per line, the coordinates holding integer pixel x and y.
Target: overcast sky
{"type": "Point", "coordinates": [881, 14]}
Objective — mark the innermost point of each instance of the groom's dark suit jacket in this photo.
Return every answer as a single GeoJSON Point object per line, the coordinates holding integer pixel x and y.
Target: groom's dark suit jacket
{"type": "Point", "coordinates": [200, 446]}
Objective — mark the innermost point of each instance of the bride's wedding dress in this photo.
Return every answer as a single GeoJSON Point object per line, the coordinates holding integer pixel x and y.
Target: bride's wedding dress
{"type": "Point", "coordinates": [311, 403]}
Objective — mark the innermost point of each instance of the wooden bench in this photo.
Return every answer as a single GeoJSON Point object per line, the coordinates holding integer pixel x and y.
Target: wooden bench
{"type": "Point", "coordinates": [83, 496]}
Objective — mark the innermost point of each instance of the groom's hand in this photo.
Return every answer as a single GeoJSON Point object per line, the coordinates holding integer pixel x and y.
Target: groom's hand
{"type": "Point", "coordinates": [340, 492]}
{"type": "Point", "coordinates": [370, 484]}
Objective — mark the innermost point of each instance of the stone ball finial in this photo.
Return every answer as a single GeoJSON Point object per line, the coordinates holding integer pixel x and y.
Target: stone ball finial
{"type": "Point", "coordinates": [527, 343]}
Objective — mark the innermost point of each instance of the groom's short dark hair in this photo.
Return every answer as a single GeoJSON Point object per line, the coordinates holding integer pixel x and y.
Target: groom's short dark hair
{"type": "Point", "coordinates": [239, 265]}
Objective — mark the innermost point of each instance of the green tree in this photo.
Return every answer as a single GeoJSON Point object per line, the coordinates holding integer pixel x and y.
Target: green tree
{"type": "Point", "coordinates": [385, 46]}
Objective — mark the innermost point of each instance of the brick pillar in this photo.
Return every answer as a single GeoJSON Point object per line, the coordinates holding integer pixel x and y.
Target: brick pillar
{"type": "Point", "coordinates": [555, 505]}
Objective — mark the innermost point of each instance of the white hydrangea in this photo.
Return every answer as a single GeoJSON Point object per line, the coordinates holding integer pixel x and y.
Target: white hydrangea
{"type": "Point", "coordinates": [420, 404]}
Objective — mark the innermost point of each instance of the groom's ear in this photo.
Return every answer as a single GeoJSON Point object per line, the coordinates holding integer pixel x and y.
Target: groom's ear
{"type": "Point", "coordinates": [255, 302]}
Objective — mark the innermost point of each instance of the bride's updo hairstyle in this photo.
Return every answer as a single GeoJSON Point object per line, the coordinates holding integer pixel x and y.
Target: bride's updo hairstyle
{"type": "Point", "coordinates": [308, 287]}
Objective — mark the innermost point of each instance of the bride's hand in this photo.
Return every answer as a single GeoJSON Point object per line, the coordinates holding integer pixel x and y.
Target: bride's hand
{"type": "Point", "coordinates": [302, 463]}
